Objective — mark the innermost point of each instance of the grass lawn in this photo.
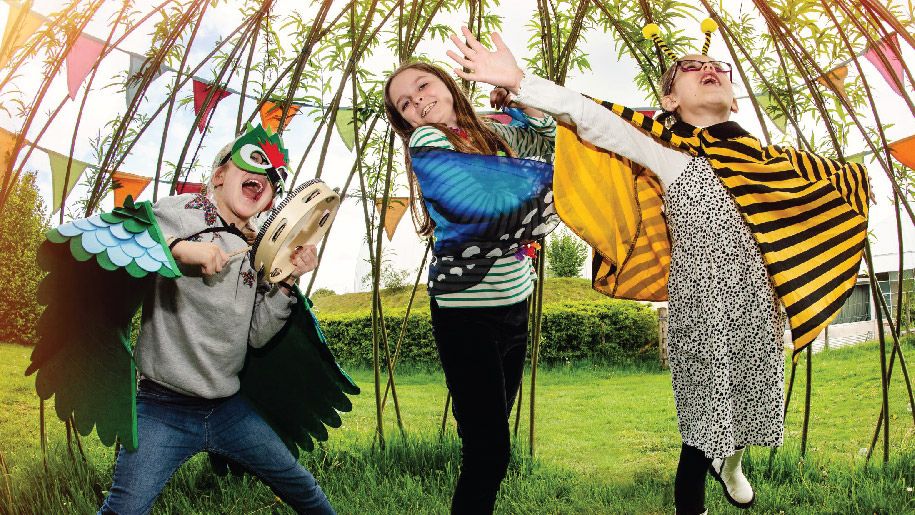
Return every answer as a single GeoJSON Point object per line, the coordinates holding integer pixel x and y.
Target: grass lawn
{"type": "Point", "coordinates": [606, 442]}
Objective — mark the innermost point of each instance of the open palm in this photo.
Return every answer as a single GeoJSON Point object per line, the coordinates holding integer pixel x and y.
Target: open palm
{"type": "Point", "coordinates": [497, 67]}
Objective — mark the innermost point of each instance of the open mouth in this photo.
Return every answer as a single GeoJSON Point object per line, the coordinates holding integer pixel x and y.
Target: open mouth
{"type": "Point", "coordinates": [428, 108]}
{"type": "Point", "coordinates": [710, 79]}
{"type": "Point", "coordinates": [253, 188]}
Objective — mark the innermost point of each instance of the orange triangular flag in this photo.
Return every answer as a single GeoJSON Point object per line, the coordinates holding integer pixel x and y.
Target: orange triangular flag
{"type": "Point", "coordinates": [127, 184]}
{"type": "Point", "coordinates": [397, 206]}
{"type": "Point", "coordinates": [20, 25]}
{"type": "Point", "coordinates": [904, 151]}
{"type": "Point", "coordinates": [835, 80]}
{"type": "Point", "coordinates": [271, 113]}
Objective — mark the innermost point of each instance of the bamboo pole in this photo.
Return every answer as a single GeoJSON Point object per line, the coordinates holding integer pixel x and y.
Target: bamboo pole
{"type": "Point", "coordinates": [535, 350]}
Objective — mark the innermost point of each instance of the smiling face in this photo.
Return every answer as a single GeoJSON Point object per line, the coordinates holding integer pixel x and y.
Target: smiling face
{"type": "Point", "coordinates": [701, 97]}
{"type": "Point", "coordinates": [240, 194]}
{"type": "Point", "coordinates": [421, 98]}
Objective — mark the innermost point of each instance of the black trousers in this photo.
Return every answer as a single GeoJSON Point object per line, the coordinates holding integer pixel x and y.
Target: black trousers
{"type": "Point", "coordinates": [689, 485]}
{"type": "Point", "coordinates": [482, 352]}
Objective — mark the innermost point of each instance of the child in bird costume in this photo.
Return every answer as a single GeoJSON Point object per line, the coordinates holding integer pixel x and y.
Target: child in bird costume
{"type": "Point", "coordinates": [224, 362]}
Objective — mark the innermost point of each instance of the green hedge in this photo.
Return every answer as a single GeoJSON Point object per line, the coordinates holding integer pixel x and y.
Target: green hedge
{"type": "Point", "coordinates": [607, 331]}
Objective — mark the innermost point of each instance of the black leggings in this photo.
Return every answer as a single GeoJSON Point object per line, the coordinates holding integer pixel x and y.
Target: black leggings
{"type": "Point", "coordinates": [689, 486]}
{"type": "Point", "coordinates": [482, 352]}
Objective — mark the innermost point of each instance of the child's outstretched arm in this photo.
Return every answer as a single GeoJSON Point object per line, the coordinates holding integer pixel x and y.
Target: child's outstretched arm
{"type": "Point", "coordinates": [592, 122]}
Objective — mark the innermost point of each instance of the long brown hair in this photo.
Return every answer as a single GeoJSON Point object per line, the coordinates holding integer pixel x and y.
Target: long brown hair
{"type": "Point", "coordinates": [480, 138]}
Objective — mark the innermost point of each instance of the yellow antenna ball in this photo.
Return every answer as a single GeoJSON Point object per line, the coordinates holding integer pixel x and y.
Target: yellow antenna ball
{"type": "Point", "coordinates": [651, 30]}
{"type": "Point", "coordinates": [708, 25]}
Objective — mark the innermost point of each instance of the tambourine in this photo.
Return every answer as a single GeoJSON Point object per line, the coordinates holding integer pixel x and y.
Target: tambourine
{"type": "Point", "coordinates": [302, 218]}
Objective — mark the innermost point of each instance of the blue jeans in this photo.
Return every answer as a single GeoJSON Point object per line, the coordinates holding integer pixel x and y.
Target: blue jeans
{"type": "Point", "coordinates": [173, 427]}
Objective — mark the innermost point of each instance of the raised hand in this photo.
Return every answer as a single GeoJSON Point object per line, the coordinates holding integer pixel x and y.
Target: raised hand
{"type": "Point", "coordinates": [497, 67]}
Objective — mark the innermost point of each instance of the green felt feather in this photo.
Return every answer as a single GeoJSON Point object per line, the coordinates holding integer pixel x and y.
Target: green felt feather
{"type": "Point", "coordinates": [105, 262]}
{"type": "Point", "coordinates": [55, 237]}
{"type": "Point", "coordinates": [76, 248]}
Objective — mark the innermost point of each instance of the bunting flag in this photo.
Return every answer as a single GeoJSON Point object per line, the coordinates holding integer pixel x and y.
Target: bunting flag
{"type": "Point", "coordinates": [80, 60]}
{"type": "Point", "coordinates": [7, 154]}
{"type": "Point", "coordinates": [835, 80]}
{"type": "Point", "coordinates": [201, 90]}
{"type": "Point", "coordinates": [772, 110]}
{"type": "Point", "coordinates": [855, 158]}
{"type": "Point", "coordinates": [188, 187]}
{"type": "Point", "coordinates": [20, 25]}
{"type": "Point", "coordinates": [904, 151]}
{"type": "Point", "coordinates": [889, 47]}
{"type": "Point", "coordinates": [271, 112]}
{"type": "Point", "coordinates": [647, 113]}
{"type": "Point", "coordinates": [134, 73]}
{"type": "Point", "coordinates": [397, 206]}
{"type": "Point", "coordinates": [61, 185]}
{"type": "Point", "coordinates": [125, 184]}
{"type": "Point", "coordinates": [346, 127]}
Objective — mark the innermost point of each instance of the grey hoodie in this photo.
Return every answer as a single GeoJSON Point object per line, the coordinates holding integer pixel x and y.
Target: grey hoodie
{"type": "Point", "coordinates": [196, 330]}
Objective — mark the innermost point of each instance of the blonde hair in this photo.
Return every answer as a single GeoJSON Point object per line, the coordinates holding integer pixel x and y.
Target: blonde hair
{"type": "Point", "coordinates": [480, 138]}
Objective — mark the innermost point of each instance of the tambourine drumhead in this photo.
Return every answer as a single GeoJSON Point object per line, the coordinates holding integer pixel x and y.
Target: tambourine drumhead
{"type": "Point", "coordinates": [302, 218]}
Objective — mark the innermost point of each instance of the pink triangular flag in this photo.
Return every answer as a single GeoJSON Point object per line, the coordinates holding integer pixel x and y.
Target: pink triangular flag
{"type": "Point", "coordinates": [80, 60]}
{"type": "Point", "coordinates": [889, 47]}
{"type": "Point", "coordinates": [201, 90]}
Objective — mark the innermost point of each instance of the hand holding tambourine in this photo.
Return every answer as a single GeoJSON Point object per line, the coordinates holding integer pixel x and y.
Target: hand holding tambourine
{"type": "Point", "coordinates": [304, 260]}
{"type": "Point", "coordinates": [285, 245]}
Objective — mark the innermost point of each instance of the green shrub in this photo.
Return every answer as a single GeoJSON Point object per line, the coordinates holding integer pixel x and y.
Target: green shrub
{"type": "Point", "coordinates": [606, 331]}
{"type": "Point", "coordinates": [22, 227]}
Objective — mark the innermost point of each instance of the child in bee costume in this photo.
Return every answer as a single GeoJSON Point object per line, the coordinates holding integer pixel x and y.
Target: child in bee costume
{"type": "Point", "coordinates": [692, 209]}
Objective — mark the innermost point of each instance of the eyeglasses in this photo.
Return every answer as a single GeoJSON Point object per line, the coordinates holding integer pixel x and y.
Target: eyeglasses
{"type": "Point", "coordinates": [693, 65]}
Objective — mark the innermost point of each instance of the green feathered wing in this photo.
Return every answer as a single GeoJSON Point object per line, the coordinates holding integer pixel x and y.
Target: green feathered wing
{"type": "Point", "coordinates": [99, 269]}
{"type": "Point", "coordinates": [295, 383]}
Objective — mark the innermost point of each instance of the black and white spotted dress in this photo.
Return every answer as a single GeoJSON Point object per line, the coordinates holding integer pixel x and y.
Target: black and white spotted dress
{"type": "Point", "coordinates": [726, 327]}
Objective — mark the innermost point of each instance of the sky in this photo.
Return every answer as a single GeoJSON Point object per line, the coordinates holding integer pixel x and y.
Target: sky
{"type": "Point", "coordinates": [346, 258]}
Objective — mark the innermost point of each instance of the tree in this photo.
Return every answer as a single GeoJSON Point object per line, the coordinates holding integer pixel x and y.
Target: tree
{"type": "Point", "coordinates": [22, 227]}
{"type": "Point", "coordinates": [565, 254]}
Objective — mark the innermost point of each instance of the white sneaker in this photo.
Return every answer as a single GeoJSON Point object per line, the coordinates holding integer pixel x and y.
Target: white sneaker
{"type": "Point", "coordinates": [737, 489]}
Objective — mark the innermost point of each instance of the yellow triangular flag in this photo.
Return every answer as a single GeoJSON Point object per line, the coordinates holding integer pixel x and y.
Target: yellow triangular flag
{"type": "Point", "coordinates": [772, 110]}
{"type": "Point", "coordinates": [397, 206]}
{"type": "Point", "coordinates": [20, 25]}
{"type": "Point", "coordinates": [7, 146]}
{"type": "Point", "coordinates": [346, 127]}
{"type": "Point", "coordinates": [855, 158]}
{"type": "Point", "coordinates": [59, 177]}
{"type": "Point", "coordinates": [835, 80]}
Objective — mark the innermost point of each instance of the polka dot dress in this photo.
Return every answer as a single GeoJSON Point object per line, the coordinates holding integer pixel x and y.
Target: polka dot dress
{"type": "Point", "coordinates": [726, 326]}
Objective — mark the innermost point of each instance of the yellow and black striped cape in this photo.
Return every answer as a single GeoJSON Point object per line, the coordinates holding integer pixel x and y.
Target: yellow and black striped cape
{"type": "Point", "coordinates": [807, 213]}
